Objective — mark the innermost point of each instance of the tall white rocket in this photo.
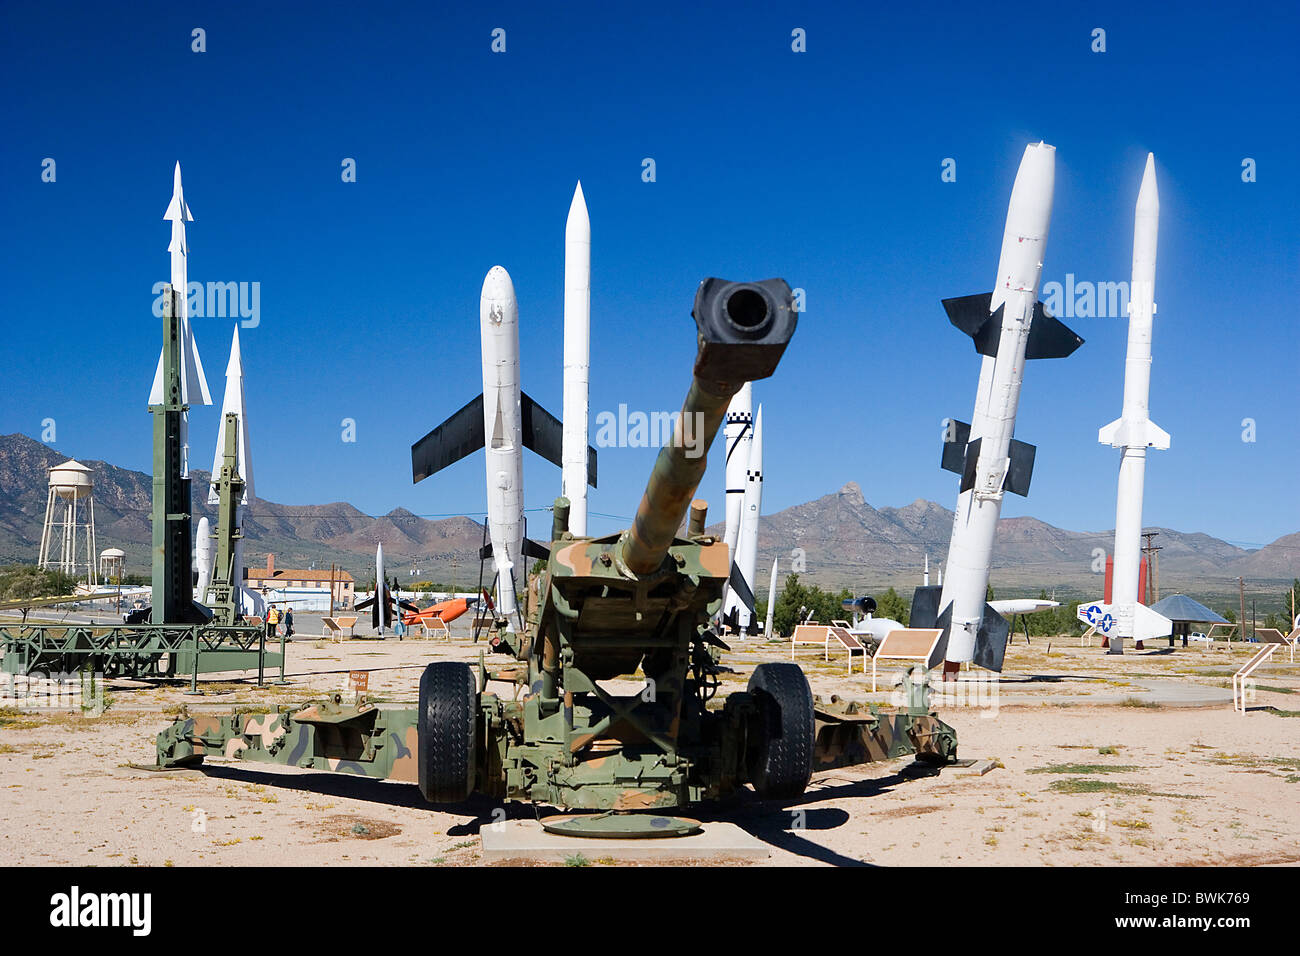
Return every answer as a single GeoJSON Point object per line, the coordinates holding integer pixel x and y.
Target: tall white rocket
{"type": "Point", "coordinates": [495, 422]}
{"type": "Point", "coordinates": [738, 433]}
{"type": "Point", "coordinates": [771, 601]}
{"type": "Point", "coordinates": [577, 359]}
{"type": "Point", "coordinates": [1008, 326]}
{"type": "Point", "coordinates": [1133, 431]}
{"type": "Point", "coordinates": [232, 402]}
{"type": "Point", "coordinates": [203, 559]}
{"type": "Point", "coordinates": [503, 438]}
{"type": "Point", "coordinates": [194, 386]}
{"type": "Point", "coordinates": [747, 545]}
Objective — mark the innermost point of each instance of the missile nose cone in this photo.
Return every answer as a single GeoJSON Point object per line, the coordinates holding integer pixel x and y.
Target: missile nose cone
{"type": "Point", "coordinates": [497, 307]}
{"type": "Point", "coordinates": [578, 225]}
{"type": "Point", "coordinates": [497, 285]}
{"type": "Point", "coordinates": [177, 209]}
{"type": "Point", "coordinates": [235, 367]}
{"type": "Point", "coordinates": [1149, 195]}
{"type": "Point", "coordinates": [1037, 166]}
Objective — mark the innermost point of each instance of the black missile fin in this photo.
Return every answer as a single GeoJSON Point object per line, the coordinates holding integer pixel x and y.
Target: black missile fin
{"type": "Point", "coordinates": [968, 466]}
{"type": "Point", "coordinates": [944, 624]}
{"type": "Point", "coordinates": [970, 314]}
{"type": "Point", "coordinates": [451, 441]}
{"type": "Point", "coordinates": [544, 434]}
{"type": "Point", "coordinates": [991, 640]}
{"type": "Point", "coordinates": [534, 550]}
{"type": "Point", "coordinates": [1049, 337]}
{"type": "Point", "coordinates": [1021, 468]}
{"type": "Point", "coordinates": [925, 606]}
{"type": "Point", "coordinates": [485, 552]}
{"type": "Point", "coordinates": [741, 587]}
{"type": "Point", "coordinates": [955, 438]}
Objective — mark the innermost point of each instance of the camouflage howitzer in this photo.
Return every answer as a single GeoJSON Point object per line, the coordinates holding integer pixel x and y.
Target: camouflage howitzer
{"type": "Point", "coordinates": [636, 605]}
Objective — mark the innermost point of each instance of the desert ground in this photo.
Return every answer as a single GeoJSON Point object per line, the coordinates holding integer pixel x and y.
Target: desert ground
{"type": "Point", "coordinates": [1097, 760]}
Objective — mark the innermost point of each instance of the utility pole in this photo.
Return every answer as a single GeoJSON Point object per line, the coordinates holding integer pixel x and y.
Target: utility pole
{"type": "Point", "coordinates": [1152, 554]}
{"type": "Point", "coordinates": [1241, 594]}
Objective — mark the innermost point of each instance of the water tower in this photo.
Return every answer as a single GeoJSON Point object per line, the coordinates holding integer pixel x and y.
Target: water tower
{"type": "Point", "coordinates": [68, 536]}
{"type": "Point", "coordinates": [112, 564]}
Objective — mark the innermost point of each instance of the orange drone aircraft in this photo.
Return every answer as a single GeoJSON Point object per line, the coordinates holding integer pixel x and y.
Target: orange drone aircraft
{"type": "Point", "coordinates": [446, 611]}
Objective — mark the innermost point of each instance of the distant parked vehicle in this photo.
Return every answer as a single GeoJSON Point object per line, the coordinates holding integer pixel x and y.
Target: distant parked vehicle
{"type": "Point", "coordinates": [1198, 636]}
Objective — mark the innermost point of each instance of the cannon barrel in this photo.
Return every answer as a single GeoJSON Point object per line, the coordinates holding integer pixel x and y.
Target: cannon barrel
{"type": "Point", "coordinates": [744, 328]}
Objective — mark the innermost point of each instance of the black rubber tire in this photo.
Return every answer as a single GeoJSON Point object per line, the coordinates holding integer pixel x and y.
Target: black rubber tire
{"type": "Point", "coordinates": [445, 731]}
{"type": "Point", "coordinates": [782, 755]}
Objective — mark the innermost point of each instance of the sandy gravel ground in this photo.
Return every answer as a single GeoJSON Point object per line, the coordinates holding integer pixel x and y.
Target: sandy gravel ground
{"type": "Point", "coordinates": [1100, 764]}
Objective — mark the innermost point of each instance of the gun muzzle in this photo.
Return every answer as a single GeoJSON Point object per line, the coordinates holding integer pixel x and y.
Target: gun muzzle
{"type": "Point", "coordinates": [744, 328]}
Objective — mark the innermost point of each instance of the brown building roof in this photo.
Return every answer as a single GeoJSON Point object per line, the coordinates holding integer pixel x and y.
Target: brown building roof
{"type": "Point", "coordinates": [304, 574]}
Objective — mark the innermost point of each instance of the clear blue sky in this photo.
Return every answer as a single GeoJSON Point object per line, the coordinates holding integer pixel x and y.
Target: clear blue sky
{"type": "Point", "coordinates": [821, 167]}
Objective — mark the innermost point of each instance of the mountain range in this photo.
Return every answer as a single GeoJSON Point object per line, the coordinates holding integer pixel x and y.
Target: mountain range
{"type": "Point", "coordinates": [838, 540]}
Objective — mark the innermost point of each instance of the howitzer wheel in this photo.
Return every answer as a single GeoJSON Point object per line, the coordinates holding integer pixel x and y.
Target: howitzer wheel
{"type": "Point", "coordinates": [781, 758]}
{"type": "Point", "coordinates": [445, 729]}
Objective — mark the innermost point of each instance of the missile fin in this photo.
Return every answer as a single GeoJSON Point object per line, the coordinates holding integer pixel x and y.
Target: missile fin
{"type": "Point", "coordinates": [968, 466]}
{"type": "Point", "coordinates": [1049, 337]}
{"type": "Point", "coordinates": [532, 549]}
{"type": "Point", "coordinates": [971, 314]}
{"type": "Point", "coordinates": [543, 433]}
{"type": "Point", "coordinates": [741, 587]}
{"type": "Point", "coordinates": [925, 606]}
{"type": "Point", "coordinates": [451, 441]}
{"type": "Point", "coordinates": [1123, 434]}
{"type": "Point", "coordinates": [954, 448]}
{"type": "Point", "coordinates": [1156, 436]}
{"type": "Point", "coordinates": [1149, 624]}
{"type": "Point", "coordinates": [1021, 468]}
{"type": "Point", "coordinates": [485, 552]}
{"type": "Point", "coordinates": [991, 640]}
{"type": "Point", "coordinates": [944, 624]}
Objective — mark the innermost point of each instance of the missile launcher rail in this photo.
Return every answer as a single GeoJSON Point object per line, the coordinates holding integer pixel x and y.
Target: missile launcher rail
{"type": "Point", "coordinates": [184, 636]}
{"type": "Point", "coordinates": [550, 728]}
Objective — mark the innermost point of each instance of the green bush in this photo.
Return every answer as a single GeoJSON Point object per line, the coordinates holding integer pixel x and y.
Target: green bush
{"type": "Point", "coordinates": [21, 581]}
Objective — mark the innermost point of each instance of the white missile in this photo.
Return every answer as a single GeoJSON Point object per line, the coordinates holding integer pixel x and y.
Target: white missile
{"type": "Point", "coordinates": [1022, 605]}
{"type": "Point", "coordinates": [738, 432]}
{"type": "Point", "coordinates": [194, 385]}
{"type": "Point", "coordinates": [501, 421]}
{"type": "Point", "coordinates": [203, 560]}
{"type": "Point", "coordinates": [499, 327]}
{"type": "Point", "coordinates": [1008, 327]}
{"type": "Point", "coordinates": [252, 603]}
{"type": "Point", "coordinates": [1134, 432]}
{"type": "Point", "coordinates": [747, 546]}
{"type": "Point", "coordinates": [771, 601]}
{"type": "Point", "coordinates": [381, 589]}
{"type": "Point", "coordinates": [577, 359]}
{"type": "Point", "coordinates": [385, 602]}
